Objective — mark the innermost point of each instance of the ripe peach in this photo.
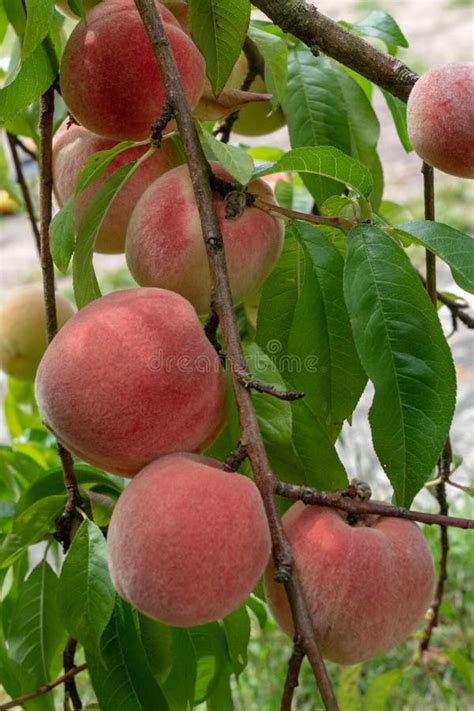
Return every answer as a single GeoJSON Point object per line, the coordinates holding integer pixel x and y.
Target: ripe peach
{"type": "Point", "coordinates": [366, 585]}
{"type": "Point", "coordinates": [164, 245]}
{"type": "Point", "coordinates": [132, 378]}
{"type": "Point", "coordinates": [23, 338]}
{"type": "Point", "coordinates": [257, 118]}
{"type": "Point", "coordinates": [440, 118]}
{"type": "Point", "coordinates": [72, 146]}
{"type": "Point", "coordinates": [187, 541]}
{"type": "Point", "coordinates": [109, 77]}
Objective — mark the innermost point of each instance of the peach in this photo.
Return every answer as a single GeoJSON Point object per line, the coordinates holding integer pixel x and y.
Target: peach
{"type": "Point", "coordinates": [187, 541]}
{"type": "Point", "coordinates": [109, 77]}
{"type": "Point", "coordinates": [440, 118]}
{"type": "Point", "coordinates": [132, 377]}
{"type": "Point", "coordinates": [257, 118]}
{"type": "Point", "coordinates": [23, 338]}
{"type": "Point", "coordinates": [72, 146]}
{"type": "Point", "coordinates": [366, 585]}
{"type": "Point", "coordinates": [165, 247]}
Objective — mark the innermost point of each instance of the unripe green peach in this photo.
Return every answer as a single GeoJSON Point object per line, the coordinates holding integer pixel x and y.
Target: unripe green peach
{"type": "Point", "coordinates": [72, 146]}
{"type": "Point", "coordinates": [187, 541]}
{"type": "Point", "coordinates": [440, 118]}
{"type": "Point", "coordinates": [110, 80]}
{"type": "Point", "coordinates": [23, 338]}
{"type": "Point", "coordinates": [165, 247]}
{"type": "Point", "coordinates": [366, 585]}
{"type": "Point", "coordinates": [130, 378]}
{"type": "Point", "coordinates": [258, 117]}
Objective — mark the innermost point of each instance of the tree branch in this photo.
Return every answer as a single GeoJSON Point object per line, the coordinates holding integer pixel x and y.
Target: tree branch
{"type": "Point", "coordinates": [332, 220]}
{"type": "Point", "coordinates": [21, 700]}
{"type": "Point", "coordinates": [250, 432]}
{"type": "Point", "coordinates": [292, 677]}
{"type": "Point", "coordinates": [25, 191]}
{"type": "Point", "coordinates": [321, 33]}
{"type": "Point", "coordinates": [70, 688]}
{"type": "Point", "coordinates": [64, 523]}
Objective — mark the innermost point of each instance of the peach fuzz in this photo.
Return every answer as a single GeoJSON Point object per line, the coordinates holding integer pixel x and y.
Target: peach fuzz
{"type": "Point", "coordinates": [165, 247]}
{"type": "Point", "coordinates": [187, 541]}
{"type": "Point", "coordinates": [109, 77]}
{"type": "Point", "coordinates": [72, 146]}
{"type": "Point", "coordinates": [23, 337]}
{"type": "Point", "coordinates": [366, 586]}
{"type": "Point", "coordinates": [130, 379]}
{"type": "Point", "coordinates": [440, 118]}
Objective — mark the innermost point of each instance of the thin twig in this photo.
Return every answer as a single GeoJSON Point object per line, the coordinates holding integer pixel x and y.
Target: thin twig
{"type": "Point", "coordinates": [250, 432]}
{"type": "Point", "coordinates": [251, 383]}
{"type": "Point", "coordinates": [456, 306]}
{"type": "Point", "coordinates": [64, 523]}
{"type": "Point", "coordinates": [25, 191]}
{"type": "Point", "coordinates": [235, 458]}
{"type": "Point", "coordinates": [346, 501]}
{"type": "Point", "coordinates": [292, 677]}
{"type": "Point", "coordinates": [29, 152]}
{"type": "Point", "coordinates": [21, 700]}
{"type": "Point", "coordinates": [70, 689]}
{"type": "Point", "coordinates": [321, 33]}
{"type": "Point", "coordinates": [333, 221]}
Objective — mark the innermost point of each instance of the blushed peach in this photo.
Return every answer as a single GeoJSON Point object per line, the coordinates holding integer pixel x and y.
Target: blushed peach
{"type": "Point", "coordinates": [132, 378]}
{"type": "Point", "coordinates": [165, 247]}
{"type": "Point", "coordinates": [109, 77]}
{"type": "Point", "coordinates": [187, 541]}
{"type": "Point", "coordinates": [440, 118]}
{"type": "Point", "coordinates": [366, 586]}
{"type": "Point", "coordinates": [72, 146]}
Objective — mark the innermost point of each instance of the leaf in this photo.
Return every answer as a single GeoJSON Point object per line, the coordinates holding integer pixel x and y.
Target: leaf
{"type": "Point", "coordinates": [330, 374]}
{"type": "Point", "coordinates": [275, 54]}
{"type": "Point", "coordinates": [380, 689]}
{"type": "Point", "coordinates": [61, 232]}
{"type": "Point", "coordinates": [463, 665]}
{"type": "Point", "coordinates": [212, 658]}
{"type": "Point", "coordinates": [348, 694]}
{"type": "Point", "coordinates": [381, 25]}
{"type": "Point", "coordinates": [30, 527]}
{"type": "Point", "coordinates": [219, 28]}
{"type": "Point", "coordinates": [327, 161]}
{"type": "Point", "coordinates": [398, 109]}
{"type": "Point", "coordinates": [36, 636]}
{"type": "Point", "coordinates": [86, 288]}
{"type": "Point", "coordinates": [237, 632]}
{"type": "Point", "coordinates": [122, 678]}
{"type": "Point", "coordinates": [405, 354]}
{"type": "Point", "coordinates": [85, 593]}
{"type": "Point", "coordinates": [235, 160]}
{"type": "Point", "coordinates": [180, 683]}
{"type": "Point", "coordinates": [39, 17]}
{"type": "Point", "coordinates": [452, 246]}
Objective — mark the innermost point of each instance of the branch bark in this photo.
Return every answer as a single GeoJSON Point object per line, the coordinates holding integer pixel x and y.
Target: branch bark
{"type": "Point", "coordinates": [292, 677]}
{"type": "Point", "coordinates": [321, 33]}
{"type": "Point", "coordinates": [21, 700]}
{"type": "Point", "coordinates": [222, 300]}
{"type": "Point", "coordinates": [25, 191]}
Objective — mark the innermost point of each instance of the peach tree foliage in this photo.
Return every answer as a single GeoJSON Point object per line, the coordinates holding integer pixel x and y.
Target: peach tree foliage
{"type": "Point", "coordinates": [350, 304]}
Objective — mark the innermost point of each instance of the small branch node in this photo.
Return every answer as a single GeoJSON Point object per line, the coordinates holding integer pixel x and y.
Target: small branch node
{"type": "Point", "coordinates": [161, 123]}
{"type": "Point", "coordinates": [235, 458]}
{"type": "Point", "coordinates": [363, 492]}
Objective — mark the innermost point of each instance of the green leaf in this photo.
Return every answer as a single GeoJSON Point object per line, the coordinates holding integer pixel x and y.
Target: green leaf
{"type": "Point", "coordinates": [381, 25]}
{"type": "Point", "coordinates": [325, 106]}
{"type": "Point", "coordinates": [275, 54]}
{"type": "Point", "coordinates": [219, 28]}
{"type": "Point", "coordinates": [321, 337]}
{"type": "Point", "coordinates": [463, 665]}
{"type": "Point", "coordinates": [122, 678]}
{"type": "Point", "coordinates": [86, 288]}
{"type": "Point", "coordinates": [39, 16]}
{"type": "Point", "coordinates": [179, 685]}
{"type": "Point", "coordinates": [85, 593]}
{"type": "Point", "coordinates": [326, 161]}
{"type": "Point", "coordinates": [30, 527]}
{"type": "Point", "coordinates": [452, 246]}
{"type": "Point", "coordinates": [398, 109]}
{"type": "Point", "coordinates": [61, 232]}
{"type": "Point", "coordinates": [235, 160]}
{"type": "Point", "coordinates": [36, 637]}
{"type": "Point", "coordinates": [380, 690]}
{"type": "Point", "coordinates": [212, 658]}
{"type": "Point", "coordinates": [237, 632]}
{"type": "Point", "coordinates": [348, 694]}
{"type": "Point", "coordinates": [404, 352]}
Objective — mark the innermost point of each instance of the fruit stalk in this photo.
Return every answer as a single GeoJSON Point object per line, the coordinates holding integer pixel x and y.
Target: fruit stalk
{"type": "Point", "coordinates": [250, 433]}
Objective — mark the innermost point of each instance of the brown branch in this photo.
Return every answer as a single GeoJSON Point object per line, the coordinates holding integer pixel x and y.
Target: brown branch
{"type": "Point", "coordinates": [321, 33]}
{"type": "Point", "coordinates": [333, 221]}
{"type": "Point", "coordinates": [25, 191]}
{"type": "Point", "coordinates": [250, 432]}
{"type": "Point", "coordinates": [456, 306]}
{"type": "Point", "coordinates": [292, 677]}
{"type": "Point", "coordinates": [70, 688]}
{"type": "Point", "coordinates": [65, 522]}
{"type": "Point", "coordinates": [251, 383]}
{"type": "Point", "coordinates": [235, 458]}
{"type": "Point", "coordinates": [345, 499]}
{"type": "Point", "coordinates": [21, 700]}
